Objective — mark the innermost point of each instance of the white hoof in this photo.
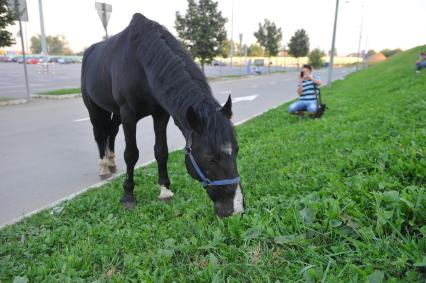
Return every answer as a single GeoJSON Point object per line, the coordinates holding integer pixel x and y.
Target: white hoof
{"type": "Point", "coordinates": [165, 194]}
{"type": "Point", "coordinates": [111, 159]}
{"type": "Point", "coordinates": [104, 170]}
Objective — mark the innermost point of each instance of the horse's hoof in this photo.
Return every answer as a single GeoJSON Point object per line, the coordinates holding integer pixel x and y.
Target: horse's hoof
{"type": "Point", "coordinates": [165, 194]}
{"type": "Point", "coordinates": [113, 169]}
{"type": "Point", "coordinates": [104, 170]}
{"type": "Point", "coordinates": [128, 201]}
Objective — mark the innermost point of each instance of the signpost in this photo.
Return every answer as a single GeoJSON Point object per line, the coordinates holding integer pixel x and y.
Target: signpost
{"type": "Point", "coordinates": [104, 12]}
{"type": "Point", "coordinates": [20, 7]}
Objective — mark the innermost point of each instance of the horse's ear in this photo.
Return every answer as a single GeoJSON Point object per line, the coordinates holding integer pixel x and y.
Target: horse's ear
{"type": "Point", "coordinates": [194, 120]}
{"type": "Point", "coordinates": [227, 108]}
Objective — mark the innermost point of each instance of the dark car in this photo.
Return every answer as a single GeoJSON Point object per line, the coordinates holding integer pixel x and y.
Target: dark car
{"type": "Point", "coordinates": [53, 59]}
{"type": "Point", "coordinates": [218, 63]}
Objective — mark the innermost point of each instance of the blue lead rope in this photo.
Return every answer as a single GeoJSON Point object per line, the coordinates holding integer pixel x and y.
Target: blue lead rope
{"type": "Point", "coordinates": [204, 180]}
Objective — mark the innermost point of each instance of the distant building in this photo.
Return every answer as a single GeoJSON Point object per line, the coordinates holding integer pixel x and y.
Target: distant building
{"type": "Point", "coordinates": [283, 53]}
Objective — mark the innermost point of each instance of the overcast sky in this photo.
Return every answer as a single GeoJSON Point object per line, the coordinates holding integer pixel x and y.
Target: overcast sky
{"type": "Point", "coordinates": [386, 23]}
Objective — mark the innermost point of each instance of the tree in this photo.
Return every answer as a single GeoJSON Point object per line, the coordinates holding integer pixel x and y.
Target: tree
{"type": "Point", "coordinates": [7, 17]}
{"type": "Point", "coordinates": [387, 52]}
{"type": "Point", "coordinates": [371, 52]}
{"type": "Point", "coordinates": [315, 58]}
{"type": "Point", "coordinates": [226, 48]}
{"type": "Point", "coordinates": [269, 36]}
{"type": "Point", "coordinates": [202, 30]}
{"type": "Point", "coordinates": [56, 45]}
{"type": "Point", "coordinates": [255, 50]}
{"type": "Point", "coordinates": [299, 44]}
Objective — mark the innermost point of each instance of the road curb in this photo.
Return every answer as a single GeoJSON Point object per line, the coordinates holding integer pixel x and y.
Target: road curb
{"type": "Point", "coordinates": [56, 97]}
{"type": "Point", "coordinates": [13, 102]}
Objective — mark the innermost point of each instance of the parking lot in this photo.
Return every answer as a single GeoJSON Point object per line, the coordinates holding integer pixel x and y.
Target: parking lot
{"type": "Point", "coordinates": [57, 76]}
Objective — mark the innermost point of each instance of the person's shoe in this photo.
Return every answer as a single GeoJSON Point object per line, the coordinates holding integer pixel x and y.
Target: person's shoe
{"type": "Point", "coordinates": [298, 113]}
{"type": "Point", "coordinates": [418, 72]}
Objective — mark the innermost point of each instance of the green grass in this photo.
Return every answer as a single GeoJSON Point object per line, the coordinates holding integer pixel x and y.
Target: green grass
{"type": "Point", "coordinates": [62, 91]}
{"type": "Point", "coordinates": [4, 99]}
{"type": "Point", "coordinates": [341, 199]}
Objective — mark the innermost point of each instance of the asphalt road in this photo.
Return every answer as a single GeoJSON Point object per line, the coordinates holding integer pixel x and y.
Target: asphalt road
{"type": "Point", "coordinates": [57, 76]}
{"type": "Point", "coordinates": [48, 153]}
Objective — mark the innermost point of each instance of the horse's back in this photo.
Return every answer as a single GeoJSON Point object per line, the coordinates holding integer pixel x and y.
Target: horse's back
{"type": "Point", "coordinates": [97, 73]}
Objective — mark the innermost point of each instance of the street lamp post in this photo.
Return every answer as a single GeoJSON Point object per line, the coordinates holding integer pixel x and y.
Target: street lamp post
{"type": "Point", "coordinates": [330, 67]}
{"type": "Point", "coordinates": [43, 35]}
{"type": "Point", "coordinates": [232, 33]}
{"type": "Point", "coordinates": [360, 37]}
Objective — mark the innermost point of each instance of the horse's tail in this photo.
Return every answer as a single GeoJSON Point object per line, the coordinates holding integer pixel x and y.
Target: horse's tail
{"type": "Point", "coordinates": [83, 69]}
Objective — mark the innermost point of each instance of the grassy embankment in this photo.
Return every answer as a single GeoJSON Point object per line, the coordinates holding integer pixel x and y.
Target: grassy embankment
{"type": "Point", "coordinates": [341, 199]}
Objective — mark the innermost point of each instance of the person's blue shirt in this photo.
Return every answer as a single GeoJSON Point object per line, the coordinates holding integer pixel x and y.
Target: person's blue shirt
{"type": "Point", "coordinates": [308, 89]}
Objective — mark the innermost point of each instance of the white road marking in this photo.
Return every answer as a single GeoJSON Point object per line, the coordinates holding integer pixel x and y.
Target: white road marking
{"type": "Point", "coordinates": [82, 120]}
{"type": "Point", "coordinates": [245, 98]}
{"type": "Point", "coordinates": [254, 86]}
{"type": "Point", "coordinates": [272, 83]}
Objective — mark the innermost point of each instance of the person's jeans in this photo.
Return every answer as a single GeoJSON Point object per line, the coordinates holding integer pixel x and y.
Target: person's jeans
{"type": "Point", "coordinates": [303, 105]}
{"type": "Point", "coordinates": [420, 65]}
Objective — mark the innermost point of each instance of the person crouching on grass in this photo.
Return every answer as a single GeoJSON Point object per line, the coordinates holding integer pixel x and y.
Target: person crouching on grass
{"type": "Point", "coordinates": [306, 88]}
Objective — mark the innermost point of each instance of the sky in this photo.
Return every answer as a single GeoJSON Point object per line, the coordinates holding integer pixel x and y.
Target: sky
{"type": "Point", "coordinates": [385, 23]}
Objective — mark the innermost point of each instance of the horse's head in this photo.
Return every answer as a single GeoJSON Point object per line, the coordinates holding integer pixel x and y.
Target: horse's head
{"type": "Point", "coordinates": [211, 158]}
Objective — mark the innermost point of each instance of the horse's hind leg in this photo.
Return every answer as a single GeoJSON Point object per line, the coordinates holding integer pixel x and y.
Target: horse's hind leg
{"type": "Point", "coordinates": [161, 152]}
{"type": "Point", "coordinates": [112, 133]}
{"type": "Point", "coordinates": [100, 121]}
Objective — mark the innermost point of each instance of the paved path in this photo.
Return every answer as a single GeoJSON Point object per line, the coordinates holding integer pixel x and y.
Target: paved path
{"type": "Point", "coordinates": [12, 79]}
{"type": "Point", "coordinates": [47, 150]}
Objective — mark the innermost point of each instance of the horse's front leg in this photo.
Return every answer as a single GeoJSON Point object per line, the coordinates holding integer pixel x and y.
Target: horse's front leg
{"type": "Point", "coordinates": [161, 152]}
{"type": "Point", "coordinates": [131, 155]}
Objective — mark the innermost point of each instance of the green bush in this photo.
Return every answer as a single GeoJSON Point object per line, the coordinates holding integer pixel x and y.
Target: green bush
{"type": "Point", "coordinates": [314, 58]}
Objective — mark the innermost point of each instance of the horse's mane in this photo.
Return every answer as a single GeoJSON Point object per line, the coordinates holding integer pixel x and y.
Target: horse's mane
{"type": "Point", "coordinates": [176, 81]}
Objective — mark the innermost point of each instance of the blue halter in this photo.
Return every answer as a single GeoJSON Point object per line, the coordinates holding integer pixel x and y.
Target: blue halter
{"type": "Point", "coordinates": [205, 182]}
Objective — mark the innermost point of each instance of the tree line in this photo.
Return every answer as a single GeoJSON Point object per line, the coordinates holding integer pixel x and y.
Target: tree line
{"type": "Point", "coordinates": [201, 30]}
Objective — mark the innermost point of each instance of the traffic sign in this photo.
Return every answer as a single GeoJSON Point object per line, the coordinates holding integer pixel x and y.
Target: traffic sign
{"type": "Point", "coordinates": [104, 12]}
{"type": "Point", "coordinates": [20, 6]}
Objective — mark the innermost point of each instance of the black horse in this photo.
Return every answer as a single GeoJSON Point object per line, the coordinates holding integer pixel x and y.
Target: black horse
{"type": "Point", "coordinates": [143, 71]}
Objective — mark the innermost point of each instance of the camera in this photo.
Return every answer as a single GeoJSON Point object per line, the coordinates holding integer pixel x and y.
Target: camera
{"type": "Point", "coordinates": [302, 73]}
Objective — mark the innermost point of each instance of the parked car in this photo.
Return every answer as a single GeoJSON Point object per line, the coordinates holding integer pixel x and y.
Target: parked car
{"type": "Point", "coordinates": [66, 60]}
{"type": "Point", "coordinates": [32, 60]}
{"type": "Point", "coordinates": [326, 64]}
{"type": "Point", "coordinates": [218, 63]}
{"type": "Point", "coordinates": [53, 59]}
